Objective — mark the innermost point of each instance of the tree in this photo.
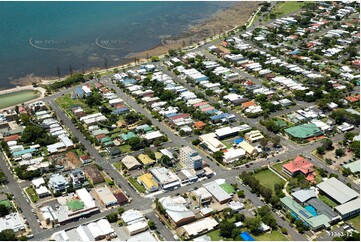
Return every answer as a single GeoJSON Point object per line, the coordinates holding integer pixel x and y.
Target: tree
{"type": "Point", "coordinates": [321, 150]}
{"type": "Point", "coordinates": [225, 229]}
{"type": "Point", "coordinates": [239, 217]}
{"type": "Point", "coordinates": [136, 143]}
{"type": "Point", "coordinates": [113, 217]}
{"type": "Point", "coordinates": [284, 231]}
{"type": "Point", "coordinates": [349, 136]}
{"type": "Point", "coordinates": [227, 213]}
{"type": "Point", "coordinates": [276, 141]}
{"type": "Point", "coordinates": [3, 210]}
{"type": "Point", "coordinates": [151, 224]}
{"type": "Point", "coordinates": [121, 210]}
{"type": "Point", "coordinates": [218, 156]}
{"type": "Point", "coordinates": [327, 144]}
{"type": "Point", "coordinates": [340, 152]}
{"type": "Point", "coordinates": [196, 142]}
{"type": "Point", "coordinates": [7, 235]}
{"type": "Point", "coordinates": [154, 58]}
{"type": "Point", "coordinates": [209, 92]}
{"type": "Point", "coordinates": [240, 194]}
{"type": "Point", "coordinates": [263, 142]}
{"type": "Point", "coordinates": [253, 224]}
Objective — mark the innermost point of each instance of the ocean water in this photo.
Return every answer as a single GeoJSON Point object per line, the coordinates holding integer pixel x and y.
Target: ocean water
{"type": "Point", "coordinates": [38, 37]}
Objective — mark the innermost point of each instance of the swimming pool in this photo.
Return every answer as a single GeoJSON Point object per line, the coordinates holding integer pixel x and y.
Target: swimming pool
{"type": "Point", "coordinates": [311, 209]}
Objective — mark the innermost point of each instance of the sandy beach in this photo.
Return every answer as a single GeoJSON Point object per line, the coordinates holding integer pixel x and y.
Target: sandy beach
{"type": "Point", "coordinates": [222, 21]}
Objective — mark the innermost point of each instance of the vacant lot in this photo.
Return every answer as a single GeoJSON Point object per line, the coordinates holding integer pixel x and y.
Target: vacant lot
{"type": "Point", "coordinates": [268, 179]}
{"type": "Point", "coordinates": [287, 7]}
{"type": "Point", "coordinates": [137, 186]}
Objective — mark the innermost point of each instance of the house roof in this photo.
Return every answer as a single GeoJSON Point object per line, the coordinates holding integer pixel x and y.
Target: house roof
{"type": "Point", "coordinates": [130, 162]}
{"type": "Point", "coordinates": [145, 159]}
{"type": "Point", "coordinates": [299, 164]}
{"type": "Point", "coordinates": [248, 104]}
{"type": "Point", "coordinates": [348, 207]}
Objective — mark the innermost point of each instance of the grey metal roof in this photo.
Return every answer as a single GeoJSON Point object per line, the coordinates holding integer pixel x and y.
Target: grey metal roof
{"type": "Point", "coordinates": [337, 190]}
{"type": "Point", "coordinates": [304, 195]}
{"type": "Point", "coordinates": [349, 206]}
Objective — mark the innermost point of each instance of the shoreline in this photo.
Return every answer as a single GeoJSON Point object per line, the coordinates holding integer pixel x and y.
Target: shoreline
{"type": "Point", "coordinates": [220, 22]}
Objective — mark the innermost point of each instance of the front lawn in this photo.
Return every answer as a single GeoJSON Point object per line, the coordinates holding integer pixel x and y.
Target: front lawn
{"type": "Point", "coordinates": [268, 179]}
{"type": "Point", "coordinates": [118, 165]}
{"type": "Point", "coordinates": [135, 184]}
{"type": "Point", "coordinates": [32, 194]}
{"type": "Point", "coordinates": [66, 102]}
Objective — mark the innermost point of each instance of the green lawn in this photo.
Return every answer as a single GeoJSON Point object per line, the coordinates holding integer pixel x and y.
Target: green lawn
{"type": "Point", "coordinates": [66, 102]}
{"type": "Point", "coordinates": [214, 235]}
{"type": "Point", "coordinates": [275, 235]}
{"type": "Point", "coordinates": [278, 168]}
{"type": "Point", "coordinates": [117, 165]}
{"type": "Point", "coordinates": [125, 148]}
{"type": "Point", "coordinates": [326, 200]}
{"type": "Point", "coordinates": [268, 179]}
{"type": "Point", "coordinates": [355, 222]}
{"type": "Point", "coordinates": [6, 202]}
{"type": "Point", "coordinates": [135, 184]}
{"type": "Point", "coordinates": [287, 7]}
{"type": "Point", "coordinates": [32, 194]}
{"type": "Point", "coordinates": [228, 145]}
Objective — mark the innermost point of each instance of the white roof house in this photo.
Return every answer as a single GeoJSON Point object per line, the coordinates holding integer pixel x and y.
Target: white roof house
{"type": "Point", "coordinates": [233, 154]}
{"type": "Point", "coordinates": [11, 221]}
{"type": "Point", "coordinates": [132, 216]}
{"type": "Point", "coordinates": [176, 211]}
{"type": "Point", "coordinates": [200, 226]}
{"type": "Point", "coordinates": [38, 182]}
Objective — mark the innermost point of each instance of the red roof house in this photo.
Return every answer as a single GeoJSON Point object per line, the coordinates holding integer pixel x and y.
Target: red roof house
{"type": "Point", "coordinates": [299, 165]}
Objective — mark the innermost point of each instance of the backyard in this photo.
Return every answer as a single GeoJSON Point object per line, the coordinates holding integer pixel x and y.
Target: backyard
{"type": "Point", "coordinates": [275, 235]}
{"type": "Point", "coordinates": [268, 178]}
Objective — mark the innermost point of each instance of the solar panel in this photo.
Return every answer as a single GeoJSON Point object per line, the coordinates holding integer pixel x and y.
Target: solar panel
{"type": "Point", "coordinates": [304, 214]}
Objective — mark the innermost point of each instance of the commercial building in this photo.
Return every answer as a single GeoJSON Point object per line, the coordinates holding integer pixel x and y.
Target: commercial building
{"type": "Point", "coordinates": [177, 211]}
{"type": "Point", "coordinates": [70, 208]}
{"type": "Point", "coordinates": [202, 195]}
{"type": "Point", "coordinates": [166, 178]}
{"type": "Point", "coordinates": [144, 236]}
{"type": "Point", "coordinates": [94, 231]}
{"type": "Point", "coordinates": [349, 209]}
{"type": "Point", "coordinates": [190, 158]}
{"type": "Point", "coordinates": [337, 191]}
{"type": "Point", "coordinates": [132, 216]}
{"type": "Point", "coordinates": [217, 192]}
{"type": "Point", "coordinates": [199, 227]}
{"type": "Point", "coordinates": [209, 141]}
{"type": "Point", "coordinates": [105, 196]}
{"type": "Point", "coordinates": [136, 228]}
{"type": "Point", "coordinates": [304, 131]}
{"type": "Point", "coordinates": [227, 132]}
{"type": "Point", "coordinates": [231, 155]}
{"type": "Point", "coordinates": [316, 223]}
{"type": "Point", "coordinates": [12, 221]}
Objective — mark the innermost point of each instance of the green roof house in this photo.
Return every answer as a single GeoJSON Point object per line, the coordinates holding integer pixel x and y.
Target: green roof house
{"type": "Point", "coordinates": [304, 131]}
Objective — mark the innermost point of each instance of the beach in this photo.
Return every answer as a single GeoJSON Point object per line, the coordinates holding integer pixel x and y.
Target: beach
{"type": "Point", "coordinates": [220, 22]}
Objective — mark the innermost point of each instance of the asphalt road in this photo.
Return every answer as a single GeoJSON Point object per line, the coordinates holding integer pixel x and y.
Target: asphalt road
{"type": "Point", "coordinates": [14, 188]}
